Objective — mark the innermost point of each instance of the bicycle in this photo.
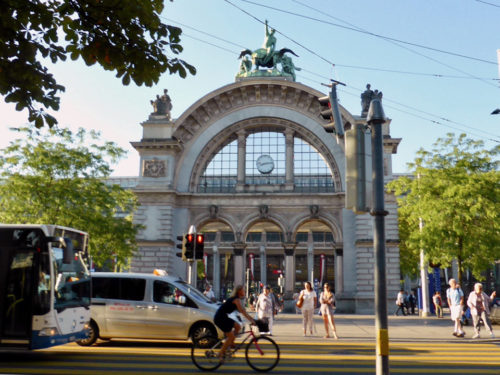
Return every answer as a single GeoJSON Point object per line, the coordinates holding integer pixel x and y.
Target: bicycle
{"type": "Point", "coordinates": [261, 352]}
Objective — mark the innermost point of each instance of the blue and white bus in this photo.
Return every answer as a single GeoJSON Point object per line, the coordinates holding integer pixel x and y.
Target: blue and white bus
{"type": "Point", "coordinates": [44, 286]}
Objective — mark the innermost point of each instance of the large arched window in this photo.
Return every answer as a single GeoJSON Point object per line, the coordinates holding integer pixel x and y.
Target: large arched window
{"type": "Point", "coordinates": [222, 171]}
{"type": "Point", "coordinates": [266, 164]}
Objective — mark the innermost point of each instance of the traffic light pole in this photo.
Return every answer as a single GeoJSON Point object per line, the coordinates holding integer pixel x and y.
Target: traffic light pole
{"type": "Point", "coordinates": [375, 119]}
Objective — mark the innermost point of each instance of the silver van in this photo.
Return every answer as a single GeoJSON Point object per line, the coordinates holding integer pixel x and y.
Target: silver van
{"type": "Point", "coordinates": [147, 306]}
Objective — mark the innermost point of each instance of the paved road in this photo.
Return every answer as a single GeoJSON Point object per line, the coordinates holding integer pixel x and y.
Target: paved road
{"type": "Point", "coordinates": [332, 357]}
{"type": "Point", "coordinates": [417, 346]}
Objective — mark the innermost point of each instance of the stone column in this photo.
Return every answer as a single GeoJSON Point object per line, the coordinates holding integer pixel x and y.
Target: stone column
{"type": "Point", "coordinates": [242, 148]}
{"type": "Point", "coordinates": [339, 271]}
{"type": "Point", "coordinates": [263, 262]}
{"type": "Point", "coordinates": [216, 265]}
{"type": "Point", "coordinates": [289, 248]}
{"type": "Point", "coordinates": [239, 263]}
{"type": "Point", "coordinates": [310, 257]}
{"type": "Point", "coordinates": [289, 159]}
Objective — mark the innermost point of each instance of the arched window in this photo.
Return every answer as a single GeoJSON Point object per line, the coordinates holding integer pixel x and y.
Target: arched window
{"type": "Point", "coordinates": [266, 165]}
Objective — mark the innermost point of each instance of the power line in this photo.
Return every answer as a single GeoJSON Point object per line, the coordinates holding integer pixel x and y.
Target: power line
{"type": "Point", "coordinates": [359, 30]}
{"type": "Point", "coordinates": [436, 75]}
{"type": "Point", "coordinates": [358, 89]}
{"type": "Point", "coordinates": [485, 2]}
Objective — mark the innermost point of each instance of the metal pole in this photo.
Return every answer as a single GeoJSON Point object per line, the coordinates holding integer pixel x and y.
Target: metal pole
{"type": "Point", "coordinates": [423, 273]}
{"type": "Point", "coordinates": [376, 118]}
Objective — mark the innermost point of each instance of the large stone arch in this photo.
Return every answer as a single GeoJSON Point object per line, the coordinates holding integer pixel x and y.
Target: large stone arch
{"type": "Point", "coordinates": [272, 100]}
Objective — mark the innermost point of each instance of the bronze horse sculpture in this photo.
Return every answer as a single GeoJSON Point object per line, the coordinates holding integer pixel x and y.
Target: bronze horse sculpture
{"type": "Point", "coordinates": [260, 57]}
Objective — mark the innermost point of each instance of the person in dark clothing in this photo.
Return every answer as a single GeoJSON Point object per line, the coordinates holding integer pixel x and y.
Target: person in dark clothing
{"type": "Point", "coordinates": [227, 325]}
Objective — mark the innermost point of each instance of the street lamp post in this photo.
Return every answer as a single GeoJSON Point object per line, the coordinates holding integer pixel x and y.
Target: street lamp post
{"type": "Point", "coordinates": [375, 119]}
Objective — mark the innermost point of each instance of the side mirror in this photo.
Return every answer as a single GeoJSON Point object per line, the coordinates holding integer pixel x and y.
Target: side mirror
{"type": "Point", "coordinates": [182, 300]}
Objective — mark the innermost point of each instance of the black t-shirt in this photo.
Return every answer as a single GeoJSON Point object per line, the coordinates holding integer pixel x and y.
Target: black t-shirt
{"type": "Point", "coordinates": [227, 307]}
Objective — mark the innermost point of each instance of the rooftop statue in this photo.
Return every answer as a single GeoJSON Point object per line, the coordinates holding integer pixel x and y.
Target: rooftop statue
{"type": "Point", "coordinates": [366, 97]}
{"type": "Point", "coordinates": [162, 105]}
{"type": "Point", "coordinates": [267, 57]}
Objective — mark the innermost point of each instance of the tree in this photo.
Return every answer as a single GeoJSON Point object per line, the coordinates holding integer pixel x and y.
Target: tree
{"type": "Point", "coordinates": [455, 190]}
{"type": "Point", "coordinates": [123, 36]}
{"type": "Point", "coordinates": [51, 177]}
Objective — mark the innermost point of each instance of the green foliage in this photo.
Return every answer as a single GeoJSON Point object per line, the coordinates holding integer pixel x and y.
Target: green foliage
{"type": "Point", "coordinates": [123, 36]}
{"type": "Point", "coordinates": [55, 176]}
{"type": "Point", "coordinates": [455, 190]}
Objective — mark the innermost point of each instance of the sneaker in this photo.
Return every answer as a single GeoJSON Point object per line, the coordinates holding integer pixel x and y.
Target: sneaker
{"type": "Point", "coordinates": [476, 336]}
{"type": "Point", "coordinates": [454, 334]}
{"type": "Point", "coordinates": [461, 334]}
{"type": "Point", "coordinates": [492, 335]}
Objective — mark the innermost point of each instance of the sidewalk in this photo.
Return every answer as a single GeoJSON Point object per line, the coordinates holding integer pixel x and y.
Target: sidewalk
{"type": "Point", "coordinates": [350, 327]}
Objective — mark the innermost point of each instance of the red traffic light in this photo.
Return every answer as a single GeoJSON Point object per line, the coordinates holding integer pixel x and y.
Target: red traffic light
{"type": "Point", "coordinates": [200, 238]}
{"type": "Point", "coordinates": [189, 237]}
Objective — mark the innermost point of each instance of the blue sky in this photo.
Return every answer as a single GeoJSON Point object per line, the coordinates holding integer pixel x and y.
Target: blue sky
{"type": "Point", "coordinates": [426, 93]}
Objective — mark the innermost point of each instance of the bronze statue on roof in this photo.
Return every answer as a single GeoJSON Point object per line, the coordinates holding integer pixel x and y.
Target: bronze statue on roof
{"type": "Point", "coordinates": [267, 57]}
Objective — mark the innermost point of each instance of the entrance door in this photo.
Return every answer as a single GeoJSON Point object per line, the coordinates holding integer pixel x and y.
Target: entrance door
{"type": "Point", "coordinates": [17, 292]}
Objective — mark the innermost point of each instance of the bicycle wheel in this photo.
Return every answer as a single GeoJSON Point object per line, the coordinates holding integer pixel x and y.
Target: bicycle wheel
{"type": "Point", "coordinates": [205, 353]}
{"type": "Point", "coordinates": [262, 354]}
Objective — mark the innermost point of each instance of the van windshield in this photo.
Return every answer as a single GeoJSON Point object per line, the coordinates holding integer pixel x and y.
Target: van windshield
{"type": "Point", "coordinates": [195, 293]}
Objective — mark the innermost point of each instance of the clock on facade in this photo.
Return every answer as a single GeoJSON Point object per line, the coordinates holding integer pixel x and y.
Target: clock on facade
{"type": "Point", "coordinates": [265, 164]}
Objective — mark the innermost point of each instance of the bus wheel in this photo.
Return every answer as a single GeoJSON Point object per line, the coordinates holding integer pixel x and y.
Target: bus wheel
{"type": "Point", "coordinates": [93, 335]}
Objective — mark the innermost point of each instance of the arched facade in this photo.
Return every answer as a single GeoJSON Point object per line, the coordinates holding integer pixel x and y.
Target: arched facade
{"type": "Point", "coordinates": [252, 167]}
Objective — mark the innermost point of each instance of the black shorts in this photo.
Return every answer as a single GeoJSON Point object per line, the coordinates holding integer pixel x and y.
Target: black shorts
{"type": "Point", "coordinates": [225, 323]}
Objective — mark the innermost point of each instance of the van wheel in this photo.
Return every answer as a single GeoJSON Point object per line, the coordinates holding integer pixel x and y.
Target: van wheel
{"type": "Point", "coordinates": [202, 330]}
{"type": "Point", "coordinates": [93, 335]}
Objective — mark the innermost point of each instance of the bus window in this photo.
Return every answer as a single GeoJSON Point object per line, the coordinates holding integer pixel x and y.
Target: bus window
{"type": "Point", "coordinates": [42, 296]}
{"type": "Point", "coordinates": [72, 283]}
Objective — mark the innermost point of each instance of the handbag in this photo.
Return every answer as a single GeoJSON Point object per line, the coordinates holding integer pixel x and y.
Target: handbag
{"type": "Point", "coordinates": [300, 302]}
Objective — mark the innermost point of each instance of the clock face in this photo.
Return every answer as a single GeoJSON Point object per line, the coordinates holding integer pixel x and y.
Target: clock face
{"type": "Point", "coordinates": [265, 164]}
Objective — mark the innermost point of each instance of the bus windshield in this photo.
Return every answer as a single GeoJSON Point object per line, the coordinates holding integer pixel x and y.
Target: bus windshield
{"type": "Point", "coordinates": [72, 281]}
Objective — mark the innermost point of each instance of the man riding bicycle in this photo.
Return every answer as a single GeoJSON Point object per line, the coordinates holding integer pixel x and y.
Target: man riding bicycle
{"type": "Point", "coordinates": [227, 325]}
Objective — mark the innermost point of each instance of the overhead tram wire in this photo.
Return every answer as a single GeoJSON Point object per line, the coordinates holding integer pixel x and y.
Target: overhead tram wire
{"type": "Point", "coordinates": [487, 3]}
{"type": "Point", "coordinates": [360, 30]}
{"type": "Point", "coordinates": [357, 29]}
{"type": "Point", "coordinates": [486, 134]}
{"type": "Point", "coordinates": [354, 88]}
{"type": "Point", "coordinates": [435, 75]}
{"type": "Point", "coordinates": [297, 43]}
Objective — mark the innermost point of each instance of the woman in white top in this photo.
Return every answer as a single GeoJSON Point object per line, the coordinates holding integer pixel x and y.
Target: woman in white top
{"type": "Point", "coordinates": [327, 300]}
{"type": "Point", "coordinates": [264, 307]}
{"type": "Point", "coordinates": [310, 300]}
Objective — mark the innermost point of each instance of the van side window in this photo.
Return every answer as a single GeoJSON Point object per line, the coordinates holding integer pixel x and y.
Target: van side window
{"type": "Point", "coordinates": [131, 289]}
{"type": "Point", "coordinates": [166, 293]}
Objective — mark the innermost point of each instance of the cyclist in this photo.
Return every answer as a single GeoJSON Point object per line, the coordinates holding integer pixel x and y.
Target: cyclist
{"type": "Point", "coordinates": [225, 323]}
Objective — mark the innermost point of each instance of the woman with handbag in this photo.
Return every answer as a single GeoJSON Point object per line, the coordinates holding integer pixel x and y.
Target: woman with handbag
{"type": "Point", "coordinates": [327, 300]}
{"type": "Point", "coordinates": [307, 301]}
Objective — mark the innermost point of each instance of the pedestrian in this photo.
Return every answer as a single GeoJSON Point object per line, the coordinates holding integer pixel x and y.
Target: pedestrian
{"type": "Point", "coordinates": [412, 300]}
{"type": "Point", "coordinates": [438, 304]}
{"type": "Point", "coordinates": [264, 307]}
{"type": "Point", "coordinates": [209, 293]}
{"type": "Point", "coordinates": [310, 300]}
{"type": "Point", "coordinates": [327, 308]}
{"type": "Point", "coordinates": [455, 298]}
{"type": "Point", "coordinates": [479, 304]}
{"type": "Point", "coordinates": [400, 301]}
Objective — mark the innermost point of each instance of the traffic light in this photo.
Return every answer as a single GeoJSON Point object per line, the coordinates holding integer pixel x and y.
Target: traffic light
{"type": "Point", "coordinates": [327, 114]}
{"type": "Point", "coordinates": [189, 246]}
{"type": "Point", "coordinates": [332, 113]}
{"type": "Point", "coordinates": [200, 245]}
{"type": "Point", "coordinates": [181, 246]}
{"type": "Point", "coordinates": [358, 156]}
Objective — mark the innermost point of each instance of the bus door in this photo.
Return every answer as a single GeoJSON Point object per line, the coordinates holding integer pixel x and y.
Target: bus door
{"type": "Point", "coordinates": [16, 270]}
